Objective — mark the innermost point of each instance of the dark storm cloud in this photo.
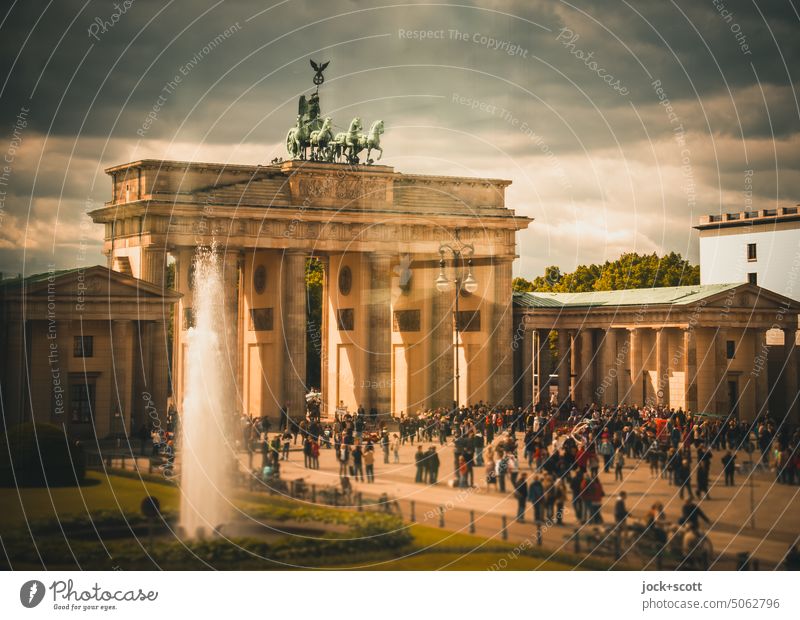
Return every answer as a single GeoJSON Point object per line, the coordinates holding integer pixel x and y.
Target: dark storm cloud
{"type": "Point", "coordinates": [502, 89]}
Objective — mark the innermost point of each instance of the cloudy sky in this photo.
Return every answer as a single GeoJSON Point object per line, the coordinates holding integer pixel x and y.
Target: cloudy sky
{"type": "Point", "coordinates": [567, 99]}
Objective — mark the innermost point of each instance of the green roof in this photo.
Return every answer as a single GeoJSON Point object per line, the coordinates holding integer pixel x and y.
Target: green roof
{"type": "Point", "coordinates": [39, 277]}
{"type": "Point", "coordinates": [667, 295]}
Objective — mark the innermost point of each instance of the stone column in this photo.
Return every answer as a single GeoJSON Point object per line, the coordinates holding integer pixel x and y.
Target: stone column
{"type": "Point", "coordinates": [441, 389]}
{"type": "Point", "coordinates": [123, 367]}
{"type": "Point", "coordinates": [323, 377]}
{"type": "Point", "coordinates": [293, 315]}
{"type": "Point", "coordinates": [153, 266]}
{"type": "Point", "coordinates": [380, 334]}
{"type": "Point", "coordinates": [545, 366]}
{"type": "Point", "coordinates": [790, 373]}
{"type": "Point", "coordinates": [662, 366]}
{"type": "Point", "coordinates": [585, 377]}
{"type": "Point", "coordinates": [157, 372]}
{"type": "Point", "coordinates": [608, 390]}
{"type": "Point", "coordinates": [234, 346]}
{"type": "Point", "coordinates": [690, 369]}
{"type": "Point", "coordinates": [501, 334]}
{"type": "Point", "coordinates": [759, 374]}
{"type": "Point", "coordinates": [636, 365]}
{"type": "Point", "coordinates": [528, 362]}
{"type": "Point", "coordinates": [721, 405]}
{"type": "Point", "coordinates": [563, 369]}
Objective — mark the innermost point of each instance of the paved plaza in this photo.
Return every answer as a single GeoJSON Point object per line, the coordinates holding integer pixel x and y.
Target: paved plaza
{"type": "Point", "coordinates": [774, 530]}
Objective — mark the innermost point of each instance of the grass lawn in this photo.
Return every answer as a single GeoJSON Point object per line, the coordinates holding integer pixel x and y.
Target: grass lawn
{"type": "Point", "coordinates": [431, 549]}
{"type": "Point", "coordinates": [112, 493]}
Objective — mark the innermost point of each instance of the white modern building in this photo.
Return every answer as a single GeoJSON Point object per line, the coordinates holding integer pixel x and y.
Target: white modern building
{"type": "Point", "coordinates": [759, 247]}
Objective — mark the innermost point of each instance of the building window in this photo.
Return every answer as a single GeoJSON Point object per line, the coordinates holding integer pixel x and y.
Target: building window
{"type": "Point", "coordinates": [83, 346]}
{"type": "Point", "coordinates": [406, 321]}
{"type": "Point", "coordinates": [261, 319]}
{"type": "Point", "coordinates": [345, 319]}
{"type": "Point", "coordinates": [469, 320]}
{"type": "Point", "coordinates": [81, 402]}
{"type": "Point", "coordinates": [752, 278]}
{"type": "Point", "coordinates": [751, 251]}
{"type": "Point", "coordinates": [730, 349]}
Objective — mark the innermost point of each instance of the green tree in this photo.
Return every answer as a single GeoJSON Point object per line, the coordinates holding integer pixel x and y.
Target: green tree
{"type": "Point", "coordinates": [631, 270]}
{"type": "Point", "coordinates": [314, 275]}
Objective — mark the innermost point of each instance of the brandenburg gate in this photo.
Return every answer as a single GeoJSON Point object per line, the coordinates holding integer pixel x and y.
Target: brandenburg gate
{"type": "Point", "coordinates": [388, 337]}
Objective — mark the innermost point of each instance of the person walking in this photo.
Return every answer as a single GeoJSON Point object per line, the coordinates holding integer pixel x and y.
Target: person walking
{"type": "Point", "coordinates": [287, 443]}
{"type": "Point", "coordinates": [729, 467]}
{"type": "Point", "coordinates": [419, 461]}
{"type": "Point", "coordinates": [433, 465]}
{"type": "Point", "coordinates": [396, 447]}
{"type": "Point", "coordinates": [369, 463]}
{"type": "Point", "coordinates": [536, 497]}
{"type": "Point", "coordinates": [683, 478]}
{"type": "Point", "coordinates": [358, 463]}
{"type": "Point", "coordinates": [621, 513]}
{"type": "Point", "coordinates": [619, 463]}
{"type": "Point", "coordinates": [385, 446]}
{"type": "Point", "coordinates": [500, 473]}
{"type": "Point", "coordinates": [521, 493]}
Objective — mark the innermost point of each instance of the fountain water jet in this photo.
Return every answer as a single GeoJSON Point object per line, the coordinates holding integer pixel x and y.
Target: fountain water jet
{"type": "Point", "coordinates": [209, 392]}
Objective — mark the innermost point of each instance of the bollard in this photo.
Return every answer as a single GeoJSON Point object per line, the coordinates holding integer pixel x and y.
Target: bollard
{"type": "Point", "coordinates": [471, 521]}
{"type": "Point", "coordinates": [413, 511]}
{"type": "Point", "coordinates": [441, 516]}
{"type": "Point", "coordinates": [617, 544]}
{"type": "Point", "coordinates": [504, 534]}
{"type": "Point", "coordinates": [539, 533]}
{"type": "Point", "coordinates": [123, 462]}
{"type": "Point", "coordinates": [577, 538]}
{"type": "Point", "coordinates": [359, 499]}
{"type": "Point", "coordinates": [313, 493]}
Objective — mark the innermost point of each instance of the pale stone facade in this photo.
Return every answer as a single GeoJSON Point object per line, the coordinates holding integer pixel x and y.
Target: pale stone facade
{"type": "Point", "coordinates": [702, 348]}
{"type": "Point", "coordinates": [383, 344]}
{"type": "Point", "coordinates": [85, 349]}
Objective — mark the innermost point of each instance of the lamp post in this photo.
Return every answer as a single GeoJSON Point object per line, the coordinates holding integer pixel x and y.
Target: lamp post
{"type": "Point", "coordinates": [459, 251]}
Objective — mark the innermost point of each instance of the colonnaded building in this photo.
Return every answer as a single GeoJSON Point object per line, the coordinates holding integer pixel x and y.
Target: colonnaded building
{"type": "Point", "coordinates": [393, 336]}
{"type": "Point", "coordinates": [387, 337]}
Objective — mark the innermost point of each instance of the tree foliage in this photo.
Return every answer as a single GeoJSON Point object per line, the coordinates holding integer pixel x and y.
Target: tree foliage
{"type": "Point", "coordinates": [631, 270]}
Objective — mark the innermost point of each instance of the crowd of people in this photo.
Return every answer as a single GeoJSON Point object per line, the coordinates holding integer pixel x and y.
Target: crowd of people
{"type": "Point", "coordinates": [549, 458]}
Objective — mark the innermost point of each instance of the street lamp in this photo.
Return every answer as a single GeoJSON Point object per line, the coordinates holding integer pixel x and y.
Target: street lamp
{"type": "Point", "coordinates": [469, 284]}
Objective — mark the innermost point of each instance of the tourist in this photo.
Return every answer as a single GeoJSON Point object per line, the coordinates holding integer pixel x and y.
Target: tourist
{"type": "Point", "coordinates": [344, 460]}
{"type": "Point", "coordinates": [521, 493]}
{"type": "Point", "coordinates": [592, 494]}
{"type": "Point", "coordinates": [419, 461]}
{"type": "Point", "coordinates": [536, 497]}
{"type": "Point", "coordinates": [433, 464]}
{"type": "Point", "coordinates": [621, 511]}
{"type": "Point", "coordinates": [606, 450]}
{"type": "Point", "coordinates": [490, 468]}
{"type": "Point", "coordinates": [501, 470]}
{"type": "Point", "coordinates": [462, 471]}
{"type": "Point", "coordinates": [683, 478]}
{"type": "Point", "coordinates": [396, 447]}
{"type": "Point", "coordinates": [287, 443]}
{"type": "Point", "coordinates": [307, 452]}
{"type": "Point", "coordinates": [729, 467]}
{"type": "Point", "coordinates": [369, 463]}
{"type": "Point", "coordinates": [385, 446]}
{"type": "Point", "coordinates": [619, 463]}
{"type": "Point", "coordinates": [358, 464]}
{"type": "Point", "coordinates": [691, 513]}
{"type": "Point", "coordinates": [315, 454]}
